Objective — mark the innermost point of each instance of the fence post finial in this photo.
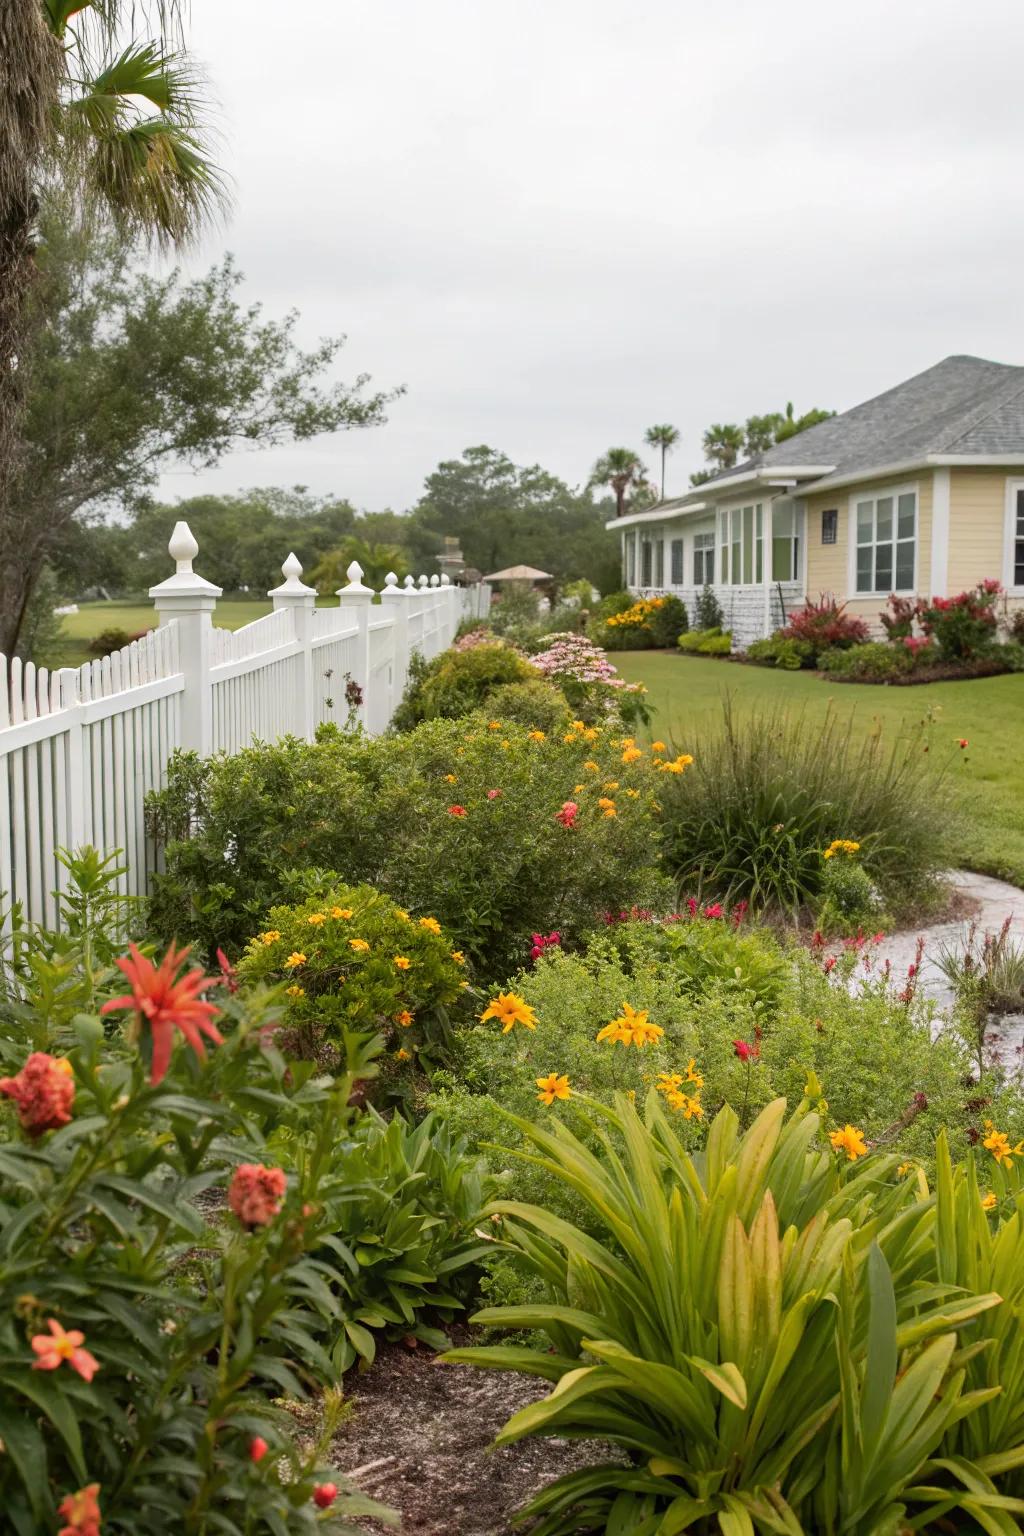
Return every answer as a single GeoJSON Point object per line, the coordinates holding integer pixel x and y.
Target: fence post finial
{"type": "Point", "coordinates": [390, 581]}
{"type": "Point", "coordinates": [355, 581]}
{"type": "Point", "coordinates": [446, 580]}
{"type": "Point", "coordinates": [409, 585]}
{"type": "Point", "coordinates": [435, 580]}
{"type": "Point", "coordinates": [422, 582]}
{"type": "Point", "coordinates": [189, 600]}
{"type": "Point", "coordinates": [293, 585]}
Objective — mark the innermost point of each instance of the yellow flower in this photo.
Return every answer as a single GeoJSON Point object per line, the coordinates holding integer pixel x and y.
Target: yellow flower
{"type": "Point", "coordinates": [692, 1075]}
{"type": "Point", "coordinates": [998, 1144]}
{"type": "Point", "coordinates": [668, 1082]}
{"type": "Point", "coordinates": [690, 1108]}
{"type": "Point", "coordinates": [578, 789]}
{"type": "Point", "coordinates": [430, 923]}
{"type": "Point", "coordinates": [631, 1028]}
{"type": "Point", "coordinates": [537, 735]}
{"type": "Point", "coordinates": [494, 725]}
{"type": "Point", "coordinates": [359, 944]}
{"type": "Point", "coordinates": [294, 959]}
{"type": "Point", "coordinates": [403, 1055]}
{"type": "Point", "coordinates": [341, 912]}
{"type": "Point", "coordinates": [591, 766]}
{"type": "Point", "coordinates": [316, 918]}
{"type": "Point", "coordinates": [634, 794]}
{"type": "Point", "coordinates": [451, 778]}
{"type": "Point", "coordinates": [270, 937]}
{"type": "Point", "coordinates": [840, 845]}
{"type": "Point", "coordinates": [627, 741]}
{"type": "Point", "coordinates": [295, 991]}
{"type": "Point", "coordinates": [506, 746]}
{"type": "Point", "coordinates": [604, 802]}
{"type": "Point", "coordinates": [677, 765]}
{"type": "Point", "coordinates": [989, 1202]}
{"type": "Point", "coordinates": [568, 738]}
{"type": "Point", "coordinates": [404, 1018]}
{"type": "Point", "coordinates": [904, 1169]}
{"type": "Point", "coordinates": [591, 733]}
{"type": "Point", "coordinates": [402, 963]}
{"type": "Point", "coordinates": [458, 957]}
{"type": "Point", "coordinates": [552, 1087]}
{"type": "Point", "coordinates": [631, 754]}
{"type": "Point", "coordinates": [509, 1010]}
{"type": "Point", "coordinates": [658, 746]}
{"type": "Point", "coordinates": [610, 787]}
{"type": "Point", "coordinates": [610, 810]}
{"type": "Point", "coordinates": [400, 912]}
{"type": "Point", "coordinates": [579, 725]}
{"type": "Point", "coordinates": [849, 1140]}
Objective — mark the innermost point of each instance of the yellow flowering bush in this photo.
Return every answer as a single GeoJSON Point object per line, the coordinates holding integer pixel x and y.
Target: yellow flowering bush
{"type": "Point", "coordinates": [354, 959]}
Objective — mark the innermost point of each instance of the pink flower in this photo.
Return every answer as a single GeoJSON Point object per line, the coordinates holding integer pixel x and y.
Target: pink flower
{"type": "Point", "coordinates": [255, 1193]}
{"type": "Point", "coordinates": [541, 942]}
{"type": "Point", "coordinates": [567, 815]}
{"type": "Point", "coordinates": [713, 911]}
{"type": "Point", "coordinates": [229, 976]}
{"type": "Point", "coordinates": [743, 1050]}
{"type": "Point", "coordinates": [963, 743]}
{"type": "Point", "coordinates": [494, 794]}
{"type": "Point", "coordinates": [44, 1091]}
{"type": "Point", "coordinates": [691, 905]}
{"type": "Point", "coordinates": [53, 1348]}
{"type": "Point", "coordinates": [739, 912]}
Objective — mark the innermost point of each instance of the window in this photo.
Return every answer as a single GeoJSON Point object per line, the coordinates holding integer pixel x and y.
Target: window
{"type": "Point", "coordinates": [646, 557]}
{"type": "Point", "coordinates": [659, 562]}
{"type": "Point", "coordinates": [703, 559]}
{"type": "Point", "coordinates": [630, 559]}
{"type": "Point", "coordinates": [830, 525]}
{"type": "Point", "coordinates": [787, 525]}
{"type": "Point", "coordinates": [886, 542]}
{"type": "Point", "coordinates": [1018, 537]}
{"type": "Point", "coordinates": [741, 540]}
{"type": "Point", "coordinates": [677, 562]}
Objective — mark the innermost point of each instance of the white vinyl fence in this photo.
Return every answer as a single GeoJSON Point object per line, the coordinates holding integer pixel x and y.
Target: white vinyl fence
{"type": "Point", "coordinates": [81, 748]}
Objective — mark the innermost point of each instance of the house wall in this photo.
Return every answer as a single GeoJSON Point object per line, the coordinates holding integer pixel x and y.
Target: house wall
{"type": "Point", "coordinates": [828, 565]}
{"type": "Point", "coordinates": [977, 527]}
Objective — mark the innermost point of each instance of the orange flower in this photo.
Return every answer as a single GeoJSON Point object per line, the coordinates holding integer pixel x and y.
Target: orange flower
{"type": "Point", "coordinates": [402, 1055]}
{"type": "Point", "coordinates": [53, 1348]}
{"type": "Point", "coordinates": [404, 1018]}
{"type": "Point", "coordinates": [458, 957]}
{"type": "Point", "coordinates": [255, 1193]}
{"type": "Point", "coordinates": [509, 1009]}
{"type": "Point", "coordinates": [167, 1001]}
{"type": "Point", "coordinates": [341, 912]}
{"type": "Point", "coordinates": [402, 963]}
{"type": "Point", "coordinates": [849, 1140]}
{"type": "Point", "coordinates": [316, 918]}
{"type": "Point", "coordinates": [537, 735]}
{"type": "Point", "coordinates": [81, 1510]}
{"type": "Point", "coordinates": [431, 924]}
{"type": "Point", "coordinates": [44, 1091]}
{"type": "Point", "coordinates": [553, 1087]}
{"type": "Point", "coordinates": [456, 810]}
{"type": "Point", "coordinates": [358, 944]}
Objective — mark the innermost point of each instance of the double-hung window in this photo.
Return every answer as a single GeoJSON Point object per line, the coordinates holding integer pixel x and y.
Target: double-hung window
{"type": "Point", "coordinates": [659, 563]}
{"type": "Point", "coordinates": [787, 524]}
{"type": "Point", "coordinates": [646, 562]}
{"type": "Point", "coordinates": [703, 559]}
{"type": "Point", "coordinates": [630, 559]}
{"type": "Point", "coordinates": [1015, 573]}
{"type": "Point", "coordinates": [677, 562]}
{"type": "Point", "coordinates": [886, 548]}
{"type": "Point", "coordinates": [740, 533]}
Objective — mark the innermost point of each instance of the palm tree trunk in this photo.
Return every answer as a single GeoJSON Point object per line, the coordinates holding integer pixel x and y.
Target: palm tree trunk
{"type": "Point", "coordinates": [663, 451]}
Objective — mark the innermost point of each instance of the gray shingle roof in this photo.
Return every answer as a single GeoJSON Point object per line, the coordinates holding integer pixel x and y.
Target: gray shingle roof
{"type": "Point", "coordinates": [962, 405]}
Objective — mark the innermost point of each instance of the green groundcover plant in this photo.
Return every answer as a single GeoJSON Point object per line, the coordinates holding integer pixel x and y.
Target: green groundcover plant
{"type": "Point", "coordinates": [776, 1336]}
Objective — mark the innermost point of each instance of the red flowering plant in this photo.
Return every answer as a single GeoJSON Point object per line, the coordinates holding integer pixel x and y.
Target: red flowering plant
{"type": "Point", "coordinates": [825, 625]}
{"type": "Point", "coordinates": [962, 627]}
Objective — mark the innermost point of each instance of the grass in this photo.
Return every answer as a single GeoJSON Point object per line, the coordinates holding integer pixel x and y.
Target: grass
{"type": "Point", "coordinates": [77, 629]}
{"type": "Point", "coordinates": [688, 692]}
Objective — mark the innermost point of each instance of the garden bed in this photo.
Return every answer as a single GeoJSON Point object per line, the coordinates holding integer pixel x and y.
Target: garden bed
{"type": "Point", "coordinates": [948, 672]}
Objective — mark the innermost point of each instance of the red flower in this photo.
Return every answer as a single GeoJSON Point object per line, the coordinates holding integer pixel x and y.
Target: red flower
{"type": "Point", "coordinates": [713, 911]}
{"type": "Point", "coordinates": [541, 942]}
{"type": "Point", "coordinates": [494, 794]}
{"type": "Point", "coordinates": [324, 1495]}
{"type": "Point", "coordinates": [53, 1348]}
{"type": "Point", "coordinates": [818, 942]}
{"type": "Point", "coordinates": [828, 963]}
{"type": "Point", "coordinates": [167, 1001]}
{"type": "Point", "coordinates": [229, 976]}
{"type": "Point", "coordinates": [258, 1448]}
{"type": "Point", "coordinates": [255, 1193]}
{"type": "Point", "coordinates": [743, 1050]}
{"type": "Point", "coordinates": [81, 1510]}
{"type": "Point", "coordinates": [739, 912]}
{"type": "Point", "coordinates": [456, 810]}
{"type": "Point", "coordinates": [44, 1091]}
{"type": "Point", "coordinates": [691, 905]}
{"type": "Point", "coordinates": [963, 743]}
{"type": "Point", "coordinates": [567, 815]}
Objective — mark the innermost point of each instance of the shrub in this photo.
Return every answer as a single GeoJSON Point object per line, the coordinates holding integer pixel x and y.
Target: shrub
{"type": "Point", "coordinates": [650, 621]}
{"type": "Point", "coordinates": [595, 690]}
{"type": "Point", "coordinates": [454, 819]}
{"type": "Point", "coordinates": [692, 1334]}
{"type": "Point", "coordinates": [963, 626]}
{"type": "Point", "coordinates": [1016, 625]}
{"type": "Point", "coordinates": [457, 682]}
{"type": "Point", "coordinates": [516, 606]}
{"type": "Point", "coordinates": [112, 639]}
{"type": "Point", "coordinates": [708, 610]}
{"type": "Point", "coordinates": [849, 897]}
{"type": "Point", "coordinates": [776, 651]}
{"type": "Point", "coordinates": [874, 662]}
{"type": "Point", "coordinates": [768, 793]}
{"type": "Point", "coordinates": [898, 619]}
{"type": "Point", "coordinates": [615, 602]}
{"type": "Point", "coordinates": [533, 703]}
{"type": "Point", "coordinates": [825, 625]}
{"type": "Point", "coordinates": [706, 642]}
{"type": "Point", "coordinates": [352, 959]}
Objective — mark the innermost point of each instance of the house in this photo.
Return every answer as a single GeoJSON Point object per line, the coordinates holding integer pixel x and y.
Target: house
{"type": "Point", "coordinates": [919, 491]}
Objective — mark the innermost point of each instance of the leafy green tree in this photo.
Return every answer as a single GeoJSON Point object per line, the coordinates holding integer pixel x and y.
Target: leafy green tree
{"type": "Point", "coordinates": [115, 121]}
{"type": "Point", "coordinates": [664, 438]}
{"type": "Point", "coordinates": [722, 444]}
{"type": "Point", "coordinates": [130, 373]}
{"type": "Point", "coordinates": [376, 560]}
{"type": "Point", "coordinates": [789, 425]}
{"type": "Point", "coordinates": [761, 432]}
{"type": "Point", "coordinates": [622, 470]}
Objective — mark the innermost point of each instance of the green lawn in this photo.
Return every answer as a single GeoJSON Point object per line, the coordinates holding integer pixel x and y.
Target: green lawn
{"type": "Point", "coordinates": [77, 629]}
{"type": "Point", "coordinates": [687, 693]}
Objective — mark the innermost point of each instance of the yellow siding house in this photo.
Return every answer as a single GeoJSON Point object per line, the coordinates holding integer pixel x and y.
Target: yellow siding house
{"type": "Point", "coordinates": [919, 491]}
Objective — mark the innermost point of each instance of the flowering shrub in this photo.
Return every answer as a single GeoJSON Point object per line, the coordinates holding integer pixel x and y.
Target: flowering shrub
{"type": "Point", "coordinates": [790, 1358]}
{"type": "Point", "coordinates": [350, 958]}
{"type": "Point", "coordinates": [650, 621]}
{"type": "Point", "coordinates": [459, 681]}
{"type": "Point", "coordinates": [595, 690]}
{"type": "Point", "coordinates": [898, 619]}
{"type": "Point", "coordinates": [825, 625]}
{"type": "Point", "coordinates": [963, 626]}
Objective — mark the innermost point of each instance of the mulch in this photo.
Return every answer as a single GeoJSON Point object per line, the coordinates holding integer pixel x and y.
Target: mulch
{"type": "Point", "coordinates": [420, 1436]}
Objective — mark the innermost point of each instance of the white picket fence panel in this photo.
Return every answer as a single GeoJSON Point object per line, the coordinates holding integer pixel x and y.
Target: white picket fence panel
{"type": "Point", "coordinates": [81, 748]}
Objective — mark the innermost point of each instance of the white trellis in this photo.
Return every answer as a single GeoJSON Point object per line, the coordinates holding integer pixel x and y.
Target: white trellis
{"type": "Point", "coordinates": [82, 747]}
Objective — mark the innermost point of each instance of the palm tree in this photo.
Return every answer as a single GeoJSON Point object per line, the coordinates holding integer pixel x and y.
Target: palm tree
{"type": "Point", "coordinates": [376, 559]}
{"type": "Point", "coordinates": [113, 124]}
{"type": "Point", "coordinates": [621, 469]}
{"type": "Point", "coordinates": [722, 444]}
{"type": "Point", "coordinates": [665, 438]}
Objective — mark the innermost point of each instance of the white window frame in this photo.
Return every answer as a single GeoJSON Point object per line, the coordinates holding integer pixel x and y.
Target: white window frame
{"type": "Point", "coordinates": [1011, 537]}
{"type": "Point", "coordinates": [895, 491]}
{"type": "Point", "coordinates": [673, 541]}
{"type": "Point", "coordinates": [726, 519]}
{"type": "Point", "coordinates": [659, 564]}
{"type": "Point", "coordinates": [704, 552]}
{"type": "Point", "coordinates": [795, 540]}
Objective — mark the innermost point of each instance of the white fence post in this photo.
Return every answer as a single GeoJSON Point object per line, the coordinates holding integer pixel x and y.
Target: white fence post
{"type": "Point", "coordinates": [355, 600]}
{"type": "Point", "coordinates": [300, 601]}
{"type": "Point", "coordinates": [77, 819]}
{"type": "Point", "coordinates": [191, 600]}
{"type": "Point", "coordinates": [393, 604]}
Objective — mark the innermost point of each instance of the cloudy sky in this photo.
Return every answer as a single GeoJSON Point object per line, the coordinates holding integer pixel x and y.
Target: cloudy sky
{"type": "Point", "coordinates": [558, 221]}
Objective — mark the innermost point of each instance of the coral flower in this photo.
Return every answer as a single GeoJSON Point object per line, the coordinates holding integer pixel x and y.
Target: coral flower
{"type": "Point", "coordinates": [849, 1140]}
{"type": "Point", "coordinates": [324, 1495]}
{"type": "Point", "coordinates": [962, 743]}
{"type": "Point", "coordinates": [509, 1010]}
{"type": "Point", "coordinates": [494, 794]}
{"type": "Point", "coordinates": [258, 1448]}
{"type": "Point", "coordinates": [553, 1087]}
{"type": "Point", "coordinates": [456, 810]}
{"type": "Point", "coordinates": [44, 1091]}
{"type": "Point", "coordinates": [567, 815]}
{"type": "Point", "coordinates": [166, 1001]}
{"type": "Point", "coordinates": [255, 1193]}
{"type": "Point", "coordinates": [431, 924]}
{"type": "Point", "coordinates": [53, 1348]}
{"type": "Point", "coordinates": [402, 962]}
{"type": "Point", "coordinates": [81, 1510]}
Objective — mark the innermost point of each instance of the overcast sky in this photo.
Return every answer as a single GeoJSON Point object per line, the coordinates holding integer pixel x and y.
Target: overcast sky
{"type": "Point", "coordinates": [558, 221]}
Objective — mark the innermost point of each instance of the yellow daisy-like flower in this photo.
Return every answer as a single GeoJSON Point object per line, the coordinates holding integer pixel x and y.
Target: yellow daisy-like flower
{"type": "Point", "coordinates": [840, 845]}
{"type": "Point", "coordinates": [509, 1009]}
{"type": "Point", "coordinates": [591, 766]}
{"type": "Point", "coordinates": [294, 959]}
{"type": "Point", "coordinates": [604, 802]}
{"type": "Point", "coordinates": [359, 944]}
{"type": "Point", "coordinates": [578, 789]}
{"type": "Point", "coordinates": [402, 963]}
{"type": "Point", "coordinates": [851, 1141]}
{"type": "Point", "coordinates": [341, 912]}
{"type": "Point", "coordinates": [270, 937]}
{"type": "Point", "coordinates": [295, 991]}
{"type": "Point", "coordinates": [634, 794]}
{"type": "Point", "coordinates": [579, 725]}
{"type": "Point", "coordinates": [458, 957]}
{"type": "Point", "coordinates": [404, 1018]}
{"type": "Point", "coordinates": [403, 1055]}
{"type": "Point", "coordinates": [316, 919]}
{"type": "Point", "coordinates": [568, 738]}
{"type": "Point", "coordinates": [492, 725]}
{"type": "Point", "coordinates": [610, 787]}
{"type": "Point", "coordinates": [431, 924]}
{"type": "Point", "coordinates": [631, 754]}
{"type": "Point", "coordinates": [692, 1075]}
{"type": "Point", "coordinates": [537, 735]}
{"type": "Point", "coordinates": [677, 765]}
{"type": "Point", "coordinates": [631, 1028]}
{"type": "Point", "coordinates": [997, 1142]}
{"type": "Point", "coordinates": [451, 778]}
{"type": "Point", "coordinates": [553, 1087]}
{"type": "Point", "coordinates": [610, 810]}
{"type": "Point", "coordinates": [591, 733]}
{"type": "Point", "coordinates": [658, 746]}
{"type": "Point", "coordinates": [989, 1202]}
{"type": "Point", "coordinates": [627, 741]}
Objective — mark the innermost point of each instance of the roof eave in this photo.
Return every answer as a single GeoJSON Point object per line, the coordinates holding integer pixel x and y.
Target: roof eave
{"type": "Point", "coordinates": [663, 514]}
